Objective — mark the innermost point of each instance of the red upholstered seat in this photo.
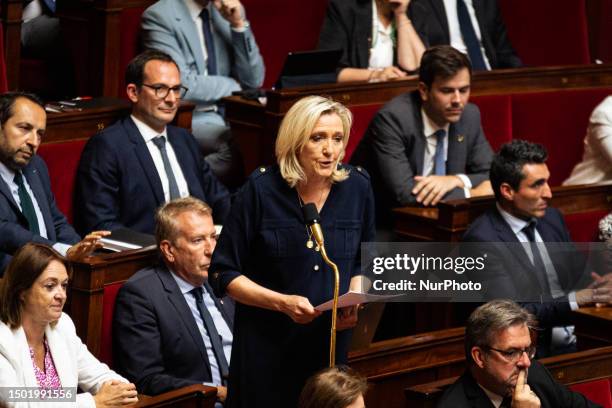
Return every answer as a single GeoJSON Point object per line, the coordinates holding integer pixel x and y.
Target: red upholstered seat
{"type": "Point", "coordinates": [597, 391]}
{"type": "Point", "coordinates": [558, 120]}
{"type": "Point", "coordinates": [130, 41]}
{"type": "Point", "coordinates": [542, 33]}
{"type": "Point", "coordinates": [108, 309]}
{"type": "Point", "coordinates": [583, 227]}
{"type": "Point", "coordinates": [281, 26]}
{"type": "Point", "coordinates": [362, 115]}
{"type": "Point", "coordinates": [496, 118]}
{"type": "Point", "coordinates": [62, 160]}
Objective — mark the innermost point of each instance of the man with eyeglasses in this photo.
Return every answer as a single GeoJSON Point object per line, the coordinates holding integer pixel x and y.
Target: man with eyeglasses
{"type": "Point", "coordinates": [501, 372]}
{"type": "Point", "coordinates": [139, 163]}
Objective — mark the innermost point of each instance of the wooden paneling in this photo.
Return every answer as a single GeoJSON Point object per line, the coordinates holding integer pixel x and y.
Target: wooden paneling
{"type": "Point", "coordinates": [97, 114]}
{"type": "Point", "coordinates": [192, 396]}
{"type": "Point", "coordinates": [250, 120]}
{"type": "Point", "coordinates": [593, 326]}
{"type": "Point", "coordinates": [93, 35]}
{"type": "Point", "coordinates": [87, 289]}
{"type": "Point", "coordinates": [450, 219]}
{"type": "Point", "coordinates": [392, 365]}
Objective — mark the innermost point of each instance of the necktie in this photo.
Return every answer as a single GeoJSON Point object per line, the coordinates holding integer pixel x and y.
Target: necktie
{"type": "Point", "coordinates": [529, 231]}
{"type": "Point", "coordinates": [469, 37]}
{"type": "Point", "coordinates": [439, 162]}
{"type": "Point", "coordinates": [506, 403]}
{"type": "Point", "coordinates": [209, 324]}
{"type": "Point", "coordinates": [27, 206]}
{"type": "Point", "coordinates": [50, 5]}
{"type": "Point", "coordinates": [160, 142]}
{"type": "Point", "coordinates": [211, 62]}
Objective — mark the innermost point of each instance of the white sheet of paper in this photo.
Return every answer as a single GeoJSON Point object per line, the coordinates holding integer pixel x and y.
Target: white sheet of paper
{"type": "Point", "coordinates": [352, 298]}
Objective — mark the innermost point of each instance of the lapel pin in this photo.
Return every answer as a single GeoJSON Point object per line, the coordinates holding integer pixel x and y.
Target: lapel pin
{"type": "Point", "coordinates": [460, 138]}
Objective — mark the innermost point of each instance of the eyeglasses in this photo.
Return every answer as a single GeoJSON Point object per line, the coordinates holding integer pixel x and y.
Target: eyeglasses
{"type": "Point", "coordinates": [513, 355]}
{"type": "Point", "coordinates": [162, 91]}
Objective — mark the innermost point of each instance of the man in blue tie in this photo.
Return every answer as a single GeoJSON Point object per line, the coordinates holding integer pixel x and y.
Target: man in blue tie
{"type": "Point", "coordinates": [169, 329]}
{"type": "Point", "coordinates": [215, 49]}
{"type": "Point", "coordinates": [474, 27]}
{"type": "Point", "coordinates": [428, 145]}
{"type": "Point", "coordinates": [27, 205]}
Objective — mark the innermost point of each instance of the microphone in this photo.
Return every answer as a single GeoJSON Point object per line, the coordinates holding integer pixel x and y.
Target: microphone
{"type": "Point", "coordinates": [312, 219]}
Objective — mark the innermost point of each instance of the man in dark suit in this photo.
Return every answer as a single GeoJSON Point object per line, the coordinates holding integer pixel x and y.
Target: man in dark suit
{"type": "Point", "coordinates": [552, 277]}
{"type": "Point", "coordinates": [27, 205]}
{"type": "Point", "coordinates": [169, 329]}
{"type": "Point", "coordinates": [473, 27]}
{"type": "Point", "coordinates": [428, 145]}
{"type": "Point", "coordinates": [500, 371]}
{"type": "Point", "coordinates": [128, 170]}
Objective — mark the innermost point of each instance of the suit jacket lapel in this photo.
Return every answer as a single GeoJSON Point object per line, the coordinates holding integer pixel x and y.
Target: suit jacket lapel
{"type": "Point", "coordinates": [61, 357]}
{"type": "Point", "coordinates": [192, 37]}
{"type": "Point", "coordinates": [456, 153]}
{"type": "Point", "coordinates": [474, 394]}
{"type": "Point", "coordinates": [145, 159]}
{"type": "Point", "coordinates": [24, 359]}
{"type": "Point", "coordinates": [438, 7]}
{"type": "Point", "coordinates": [420, 141]}
{"type": "Point", "coordinates": [4, 189]}
{"type": "Point", "coordinates": [506, 234]}
{"type": "Point", "coordinates": [31, 174]}
{"type": "Point", "coordinates": [177, 299]}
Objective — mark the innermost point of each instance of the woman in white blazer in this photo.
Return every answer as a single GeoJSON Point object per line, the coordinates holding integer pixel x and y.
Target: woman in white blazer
{"type": "Point", "coordinates": [40, 352]}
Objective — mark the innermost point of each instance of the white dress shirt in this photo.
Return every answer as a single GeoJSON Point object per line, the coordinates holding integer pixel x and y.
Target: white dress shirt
{"type": "Point", "coordinates": [381, 53]}
{"type": "Point", "coordinates": [429, 130]}
{"type": "Point", "coordinates": [456, 39]}
{"type": "Point", "coordinates": [8, 176]}
{"type": "Point", "coordinates": [148, 135]}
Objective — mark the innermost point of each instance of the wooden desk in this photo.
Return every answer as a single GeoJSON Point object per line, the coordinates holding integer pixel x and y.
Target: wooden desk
{"type": "Point", "coordinates": [96, 114]}
{"type": "Point", "coordinates": [87, 289]}
{"type": "Point", "coordinates": [192, 396]}
{"type": "Point", "coordinates": [392, 365]}
{"type": "Point", "coordinates": [450, 219]}
{"type": "Point", "coordinates": [255, 126]}
{"type": "Point", "coordinates": [593, 327]}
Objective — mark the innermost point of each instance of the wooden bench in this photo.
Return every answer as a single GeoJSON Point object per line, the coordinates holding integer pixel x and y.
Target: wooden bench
{"type": "Point", "coordinates": [582, 207]}
{"type": "Point", "coordinates": [392, 365]}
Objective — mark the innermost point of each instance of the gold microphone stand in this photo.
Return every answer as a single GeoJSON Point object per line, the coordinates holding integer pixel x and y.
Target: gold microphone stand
{"type": "Point", "coordinates": [332, 341]}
